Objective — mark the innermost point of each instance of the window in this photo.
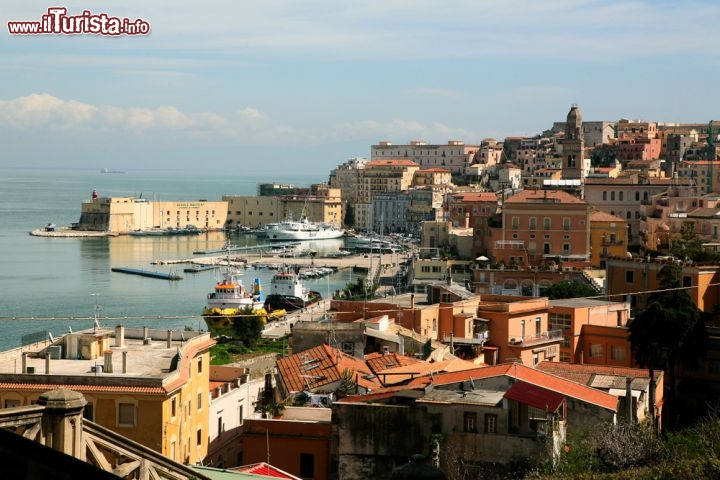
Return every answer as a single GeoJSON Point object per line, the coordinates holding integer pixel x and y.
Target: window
{"type": "Point", "coordinates": [612, 196]}
{"type": "Point", "coordinates": [200, 365]}
{"type": "Point", "coordinates": [533, 223]}
{"type": "Point", "coordinates": [199, 436]}
{"type": "Point", "coordinates": [559, 321]}
{"type": "Point", "coordinates": [348, 347]}
{"type": "Point", "coordinates": [522, 328]}
{"type": "Point", "coordinates": [604, 195]}
{"type": "Point", "coordinates": [566, 223]}
{"type": "Point", "coordinates": [629, 276]}
{"type": "Point", "coordinates": [199, 401]}
{"type": "Point", "coordinates": [470, 422]}
{"type": "Point", "coordinates": [307, 465]}
{"type": "Point", "coordinates": [89, 412]}
{"type": "Point", "coordinates": [220, 426]}
{"type": "Point", "coordinates": [490, 423]}
{"type": "Point", "coordinates": [617, 352]}
{"type": "Point", "coordinates": [538, 325]}
{"type": "Point", "coordinates": [637, 196]}
{"type": "Point", "coordinates": [546, 223]}
{"type": "Point", "coordinates": [515, 223]}
{"type": "Point", "coordinates": [566, 248]}
{"type": "Point", "coordinates": [687, 281]}
{"type": "Point", "coordinates": [620, 196]}
{"type": "Point", "coordinates": [126, 414]}
{"type": "Point", "coordinates": [596, 350]}
{"type": "Point", "coordinates": [173, 407]}
{"type": "Point", "coordinates": [12, 403]}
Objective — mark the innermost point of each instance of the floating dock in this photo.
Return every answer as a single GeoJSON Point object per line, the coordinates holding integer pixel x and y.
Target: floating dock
{"type": "Point", "coordinates": [146, 273]}
{"type": "Point", "coordinates": [198, 268]}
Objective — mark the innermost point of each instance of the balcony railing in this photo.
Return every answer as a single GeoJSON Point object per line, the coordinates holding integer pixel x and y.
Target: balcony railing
{"type": "Point", "coordinates": [539, 338]}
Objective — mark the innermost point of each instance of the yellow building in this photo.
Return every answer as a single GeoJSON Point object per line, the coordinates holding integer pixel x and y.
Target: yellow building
{"type": "Point", "coordinates": [608, 237]}
{"type": "Point", "coordinates": [150, 386]}
{"type": "Point", "coordinates": [320, 204]}
{"type": "Point", "coordinates": [127, 214]}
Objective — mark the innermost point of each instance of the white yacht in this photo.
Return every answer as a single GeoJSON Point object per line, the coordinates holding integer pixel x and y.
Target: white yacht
{"type": "Point", "coordinates": [302, 229]}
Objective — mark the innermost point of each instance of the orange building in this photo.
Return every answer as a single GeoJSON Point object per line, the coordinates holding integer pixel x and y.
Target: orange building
{"type": "Point", "coordinates": [638, 276]}
{"type": "Point", "coordinates": [543, 225]}
{"type": "Point", "coordinates": [519, 329]}
{"type": "Point", "coordinates": [608, 237]}
{"type": "Point", "coordinates": [298, 444]}
{"type": "Point", "coordinates": [571, 316]}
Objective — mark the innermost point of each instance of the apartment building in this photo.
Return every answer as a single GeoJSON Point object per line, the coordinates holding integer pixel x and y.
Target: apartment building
{"type": "Point", "coordinates": [149, 386]}
{"type": "Point", "coordinates": [543, 225]}
{"type": "Point", "coordinates": [454, 156]}
{"type": "Point", "coordinates": [608, 237]}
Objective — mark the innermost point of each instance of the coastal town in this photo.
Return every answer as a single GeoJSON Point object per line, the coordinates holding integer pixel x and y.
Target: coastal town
{"type": "Point", "coordinates": [501, 321]}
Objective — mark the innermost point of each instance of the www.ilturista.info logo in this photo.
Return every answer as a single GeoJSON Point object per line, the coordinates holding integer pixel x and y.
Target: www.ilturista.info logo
{"type": "Point", "coordinates": [58, 22]}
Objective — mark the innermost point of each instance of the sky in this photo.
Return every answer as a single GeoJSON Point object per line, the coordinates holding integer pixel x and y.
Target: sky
{"type": "Point", "coordinates": [301, 86]}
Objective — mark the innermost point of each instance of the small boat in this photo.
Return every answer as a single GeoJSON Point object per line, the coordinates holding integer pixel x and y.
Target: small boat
{"type": "Point", "coordinates": [231, 302]}
{"type": "Point", "coordinates": [288, 292]}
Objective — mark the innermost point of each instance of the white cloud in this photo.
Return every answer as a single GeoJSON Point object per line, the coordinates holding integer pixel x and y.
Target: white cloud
{"type": "Point", "coordinates": [38, 113]}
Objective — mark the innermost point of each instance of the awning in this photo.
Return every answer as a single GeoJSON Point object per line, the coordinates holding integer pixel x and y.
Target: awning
{"type": "Point", "coordinates": [535, 396]}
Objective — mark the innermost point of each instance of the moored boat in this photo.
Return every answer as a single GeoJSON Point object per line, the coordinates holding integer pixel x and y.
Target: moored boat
{"type": "Point", "coordinates": [302, 229]}
{"type": "Point", "coordinates": [231, 302]}
{"type": "Point", "coordinates": [288, 292]}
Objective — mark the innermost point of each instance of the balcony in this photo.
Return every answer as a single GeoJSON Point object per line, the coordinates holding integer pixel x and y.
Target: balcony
{"type": "Point", "coordinates": [551, 336]}
{"type": "Point", "coordinates": [608, 242]}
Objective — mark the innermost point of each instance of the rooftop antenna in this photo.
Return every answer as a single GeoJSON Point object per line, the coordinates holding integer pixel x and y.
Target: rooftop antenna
{"type": "Point", "coordinates": [96, 313]}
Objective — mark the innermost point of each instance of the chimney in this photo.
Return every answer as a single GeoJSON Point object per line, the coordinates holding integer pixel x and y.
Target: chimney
{"type": "Point", "coordinates": [24, 362]}
{"type": "Point", "coordinates": [47, 362]}
{"type": "Point", "coordinates": [124, 368]}
{"type": "Point", "coordinates": [169, 339]}
{"type": "Point", "coordinates": [412, 300]}
{"type": "Point", "coordinates": [108, 361]}
{"type": "Point", "coordinates": [120, 336]}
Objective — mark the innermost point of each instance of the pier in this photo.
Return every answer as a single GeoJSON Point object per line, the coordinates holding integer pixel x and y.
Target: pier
{"type": "Point", "coordinates": [147, 273]}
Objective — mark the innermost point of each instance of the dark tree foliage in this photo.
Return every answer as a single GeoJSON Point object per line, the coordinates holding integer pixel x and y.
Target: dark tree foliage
{"type": "Point", "coordinates": [668, 332]}
{"type": "Point", "coordinates": [247, 328]}
{"type": "Point", "coordinates": [569, 289]}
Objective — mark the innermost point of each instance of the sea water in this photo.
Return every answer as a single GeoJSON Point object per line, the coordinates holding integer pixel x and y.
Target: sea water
{"type": "Point", "coordinates": [57, 284]}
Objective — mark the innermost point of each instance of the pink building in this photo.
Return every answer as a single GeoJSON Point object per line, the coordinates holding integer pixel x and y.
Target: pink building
{"type": "Point", "coordinates": [543, 225]}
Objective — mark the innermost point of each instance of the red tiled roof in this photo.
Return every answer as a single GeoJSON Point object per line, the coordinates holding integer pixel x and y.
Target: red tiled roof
{"type": "Point", "coordinates": [382, 361]}
{"type": "Point", "coordinates": [475, 197]}
{"type": "Point", "coordinates": [434, 170]}
{"type": "Point", "coordinates": [83, 388]}
{"type": "Point", "coordinates": [582, 373]}
{"type": "Point", "coordinates": [600, 216]}
{"type": "Point", "coordinates": [535, 396]}
{"type": "Point", "coordinates": [320, 366]}
{"type": "Point", "coordinates": [538, 196]}
{"type": "Point", "coordinates": [396, 162]}
{"type": "Point", "coordinates": [526, 374]}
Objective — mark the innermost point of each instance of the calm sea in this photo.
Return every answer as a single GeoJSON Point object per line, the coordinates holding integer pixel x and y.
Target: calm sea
{"type": "Point", "coordinates": [55, 284]}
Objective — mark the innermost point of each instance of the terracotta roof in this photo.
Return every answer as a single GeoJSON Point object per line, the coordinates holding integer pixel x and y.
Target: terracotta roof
{"type": "Point", "coordinates": [582, 373]}
{"type": "Point", "coordinates": [83, 388]}
{"type": "Point", "coordinates": [323, 365]}
{"type": "Point", "coordinates": [395, 162]}
{"type": "Point", "coordinates": [475, 197]}
{"type": "Point", "coordinates": [600, 216]}
{"type": "Point", "coordinates": [379, 362]}
{"type": "Point", "coordinates": [526, 374]}
{"type": "Point", "coordinates": [403, 373]}
{"type": "Point", "coordinates": [540, 196]}
{"type": "Point", "coordinates": [434, 170]}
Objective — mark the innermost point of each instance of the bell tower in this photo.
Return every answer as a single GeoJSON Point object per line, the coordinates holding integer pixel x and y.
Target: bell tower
{"type": "Point", "coordinates": [573, 164]}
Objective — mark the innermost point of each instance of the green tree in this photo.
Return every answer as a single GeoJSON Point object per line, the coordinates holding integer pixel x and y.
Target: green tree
{"type": "Point", "coordinates": [347, 385]}
{"type": "Point", "coordinates": [569, 289]}
{"type": "Point", "coordinates": [668, 331]}
{"type": "Point", "coordinates": [349, 215]}
{"type": "Point", "coordinates": [247, 327]}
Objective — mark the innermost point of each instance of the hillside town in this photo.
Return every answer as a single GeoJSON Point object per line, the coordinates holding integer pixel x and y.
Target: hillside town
{"type": "Point", "coordinates": [464, 363]}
